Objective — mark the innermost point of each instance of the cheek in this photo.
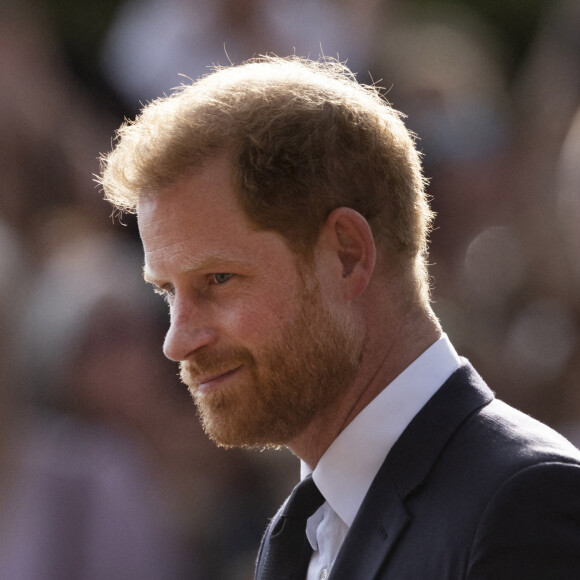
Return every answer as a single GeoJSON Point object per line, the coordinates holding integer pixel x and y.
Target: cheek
{"type": "Point", "coordinates": [260, 319]}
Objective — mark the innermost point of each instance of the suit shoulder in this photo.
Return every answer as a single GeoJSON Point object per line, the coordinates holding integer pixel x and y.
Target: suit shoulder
{"type": "Point", "coordinates": [518, 437]}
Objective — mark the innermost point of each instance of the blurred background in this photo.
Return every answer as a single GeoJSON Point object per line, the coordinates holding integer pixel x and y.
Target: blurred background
{"type": "Point", "coordinates": [104, 471]}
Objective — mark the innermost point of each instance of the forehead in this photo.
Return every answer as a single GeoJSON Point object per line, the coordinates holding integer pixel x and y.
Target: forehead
{"type": "Point", "coordinates": [198, 222]}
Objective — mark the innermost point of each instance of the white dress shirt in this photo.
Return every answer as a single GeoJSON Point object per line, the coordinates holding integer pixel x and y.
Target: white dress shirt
{"type": "Point", "coordinates": [346, 470]}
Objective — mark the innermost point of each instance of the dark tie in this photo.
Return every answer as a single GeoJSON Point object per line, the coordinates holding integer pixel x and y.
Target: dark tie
{"type": "Point", "coordinates": [288, 551]}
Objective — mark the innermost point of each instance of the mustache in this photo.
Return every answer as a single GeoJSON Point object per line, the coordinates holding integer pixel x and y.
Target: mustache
{"type": "Point", "coordinates": [210, 364]}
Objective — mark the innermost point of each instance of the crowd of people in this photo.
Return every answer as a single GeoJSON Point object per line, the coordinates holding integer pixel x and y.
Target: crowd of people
{"type": "Point", "coordinates": [104, 470]}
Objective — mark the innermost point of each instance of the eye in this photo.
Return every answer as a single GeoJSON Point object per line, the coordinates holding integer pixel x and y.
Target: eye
{"type": "Point", "coordinates": [167, 293]}
{"type": "Point", "coordinates": [221, 278]}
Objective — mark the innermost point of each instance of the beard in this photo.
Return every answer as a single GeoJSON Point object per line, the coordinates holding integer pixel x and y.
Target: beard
{"type": "Point", "coordinates": [282, 387]}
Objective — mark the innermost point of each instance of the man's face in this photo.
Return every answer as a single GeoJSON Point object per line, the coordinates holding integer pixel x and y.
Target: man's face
{"type": "Point", "coordinates": [260, 348]}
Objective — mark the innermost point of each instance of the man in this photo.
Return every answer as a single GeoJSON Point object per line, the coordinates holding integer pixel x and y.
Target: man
{"type": "Point", "coordinates": [283, 216]}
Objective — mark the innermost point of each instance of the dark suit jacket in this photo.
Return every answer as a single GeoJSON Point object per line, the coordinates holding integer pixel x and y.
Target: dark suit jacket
{"type": "Point", "coordinates": [473, 489]}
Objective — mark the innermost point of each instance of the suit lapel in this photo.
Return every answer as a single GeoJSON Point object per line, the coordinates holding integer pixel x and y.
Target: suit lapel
{"type": "Point", "coordinates": [383, 517]}
{"type": "Point", "coordinates": [372, 536]}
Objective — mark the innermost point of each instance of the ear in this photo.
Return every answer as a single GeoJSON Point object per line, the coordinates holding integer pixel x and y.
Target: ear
{"type": "Point", "coordinates": [347, 235]}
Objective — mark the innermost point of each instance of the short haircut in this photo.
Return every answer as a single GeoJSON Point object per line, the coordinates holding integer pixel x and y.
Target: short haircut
{"type": "Point", "coordinates": [303, 137]}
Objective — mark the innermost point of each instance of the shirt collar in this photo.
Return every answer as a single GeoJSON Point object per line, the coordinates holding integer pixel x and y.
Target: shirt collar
{"type": "Point", "coordinates": [347, 468]}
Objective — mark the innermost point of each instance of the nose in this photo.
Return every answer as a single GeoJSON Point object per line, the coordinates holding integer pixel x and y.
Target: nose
{"type": "Point", "coordinates": [190, 330]}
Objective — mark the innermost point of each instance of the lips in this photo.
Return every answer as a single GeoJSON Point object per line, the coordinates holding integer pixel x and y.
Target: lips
{"type": "Point", "coordinates": [211, 381]}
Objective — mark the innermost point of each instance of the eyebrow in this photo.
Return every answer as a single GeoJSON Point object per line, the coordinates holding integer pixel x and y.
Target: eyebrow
{"type": "Point", "coordinates": [149, 279]}
{"type": "Point", "coordinates": [210, 262]}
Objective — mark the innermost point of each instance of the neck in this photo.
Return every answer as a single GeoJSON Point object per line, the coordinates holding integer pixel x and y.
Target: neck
{"type": "Point", "coordinates": [387, 353]}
